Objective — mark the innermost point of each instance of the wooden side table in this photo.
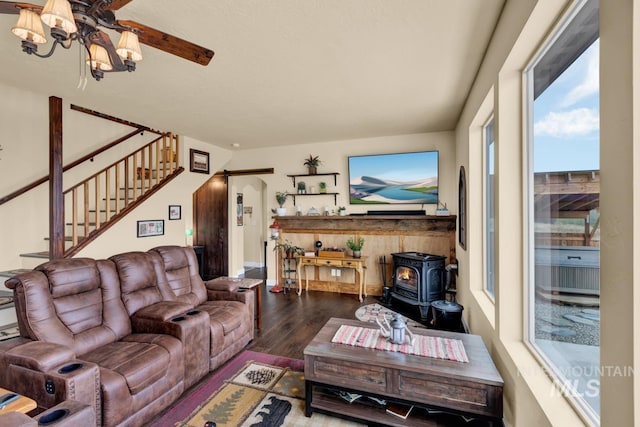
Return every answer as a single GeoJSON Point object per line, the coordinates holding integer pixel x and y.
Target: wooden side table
{"type": "Point", "coordinates": [21, 404]}
{"type": "Point", "coordinates": [253, 284]}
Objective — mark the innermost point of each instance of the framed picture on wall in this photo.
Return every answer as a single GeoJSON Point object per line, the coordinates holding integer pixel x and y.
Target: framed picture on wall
{"type": "Point", "coordinates": [175, 212]}
{"type": "Point", "coordinates": [198, 161]}
{"type": "Point", "coordinates": [148, 228]}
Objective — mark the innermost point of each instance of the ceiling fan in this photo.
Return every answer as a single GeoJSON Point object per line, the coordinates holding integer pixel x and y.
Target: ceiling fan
{"type": "Point", "coordinates": [82, 20]}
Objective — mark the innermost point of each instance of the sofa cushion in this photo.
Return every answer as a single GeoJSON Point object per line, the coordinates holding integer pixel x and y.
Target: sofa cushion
{"type": "Point", "coordinates": [138, 273]}
{"type": "Point", "coordinates": [228, 314]}
{"type": "Point", "coordinates": [140, 364]}
{"type": "Point", "coordinates": [182, 281]}
{"type": "Point", "coordinates": [76, 303]}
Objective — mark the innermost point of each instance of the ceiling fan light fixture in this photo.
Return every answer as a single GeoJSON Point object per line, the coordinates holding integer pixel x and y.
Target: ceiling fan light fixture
{"type": "Point", "coordinates": [29, 27]}
{"type": "Point", "coordinates": [99, 58]}
{"type": "Point", "coordinates": [57, 14]}
{"type": "Point", "coordinates": [129, 47]}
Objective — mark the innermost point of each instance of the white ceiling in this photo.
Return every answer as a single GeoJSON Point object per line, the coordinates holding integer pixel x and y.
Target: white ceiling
{"type": "Point", "coordinates": [284, 71]}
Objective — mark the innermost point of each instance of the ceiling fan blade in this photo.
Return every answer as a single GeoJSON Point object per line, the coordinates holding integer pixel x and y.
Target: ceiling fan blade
{"type": "Point", "coordinates": [101, 38]}
{"type": "Point", "coordinates": [170, 44]}
{"type": "Point", "coordinates": [117, 4]}
{"type": "Point", "coordinates": [13, 8]}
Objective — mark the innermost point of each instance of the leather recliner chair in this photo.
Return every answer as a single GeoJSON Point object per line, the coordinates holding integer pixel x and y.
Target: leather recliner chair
{"type": "Point", "coordinates": [73, 323]}
{"type": "Point", "coordinates": [230, 310]}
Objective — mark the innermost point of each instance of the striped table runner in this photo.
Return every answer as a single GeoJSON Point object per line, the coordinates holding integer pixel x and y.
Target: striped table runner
{"type": "Point", "coordinates": [437, 347]}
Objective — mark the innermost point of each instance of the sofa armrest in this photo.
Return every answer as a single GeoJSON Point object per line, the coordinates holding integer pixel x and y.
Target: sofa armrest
{"type": "Point", "coordinates": [162, 311]}
{"type": "Point", "coordinates": [191, 327]}
{"type": "Point", "coordinates": [17, 419]}
{"type": "Point", "coordinates": [48, 373]}
{"type": "Point", "coordinates": [245, 296]}
{"type": "Point", "coordinates": [226, 284]}
{"type": "Point", "coordinates": [68, 413]}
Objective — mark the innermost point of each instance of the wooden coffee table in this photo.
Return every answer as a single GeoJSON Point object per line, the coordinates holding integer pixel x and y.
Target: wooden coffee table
{"type": "Point", "coordinates": [472, 389]}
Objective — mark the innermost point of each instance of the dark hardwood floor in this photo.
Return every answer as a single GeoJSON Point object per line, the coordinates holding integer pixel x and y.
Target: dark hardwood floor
{"type": "Point", "coordinates": [289, 321]}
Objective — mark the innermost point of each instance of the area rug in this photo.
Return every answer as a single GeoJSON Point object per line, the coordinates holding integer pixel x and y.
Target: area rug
{"type": "Point", "coordinates": [369, 313]}
{"type": "Point", "coordinates": [253, 389]}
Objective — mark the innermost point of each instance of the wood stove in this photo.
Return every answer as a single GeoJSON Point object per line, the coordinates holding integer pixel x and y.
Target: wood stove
{"type": "Point", "coordinates": [418, 279]}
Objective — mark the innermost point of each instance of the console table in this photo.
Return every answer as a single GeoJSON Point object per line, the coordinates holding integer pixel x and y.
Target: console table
{"type": "Point", "coordinates": [356, 264]}
{"type": "Point", "coordinates": [473, 389]}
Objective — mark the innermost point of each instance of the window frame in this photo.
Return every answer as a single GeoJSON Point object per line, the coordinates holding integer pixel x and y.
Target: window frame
{"type": "Point", "coordinates": [485, 207]}
{"type": "Point", "coordinates": [529, 338]}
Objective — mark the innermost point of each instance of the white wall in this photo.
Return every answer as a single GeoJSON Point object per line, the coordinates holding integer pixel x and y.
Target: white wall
{"type": "Point", "coordinates": [246, 241]}
{"type": "Point", "coordinates": [24, 120]}
{"type": "Point", "coordinates": [289, 160]}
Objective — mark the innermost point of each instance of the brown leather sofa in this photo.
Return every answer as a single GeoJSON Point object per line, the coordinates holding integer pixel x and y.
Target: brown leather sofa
{"type": "Point", "coordinates": [112, 334]}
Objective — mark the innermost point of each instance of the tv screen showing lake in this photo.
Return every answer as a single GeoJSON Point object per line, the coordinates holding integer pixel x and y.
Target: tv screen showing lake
{"type": "Point", "coordinates": [394, 178]}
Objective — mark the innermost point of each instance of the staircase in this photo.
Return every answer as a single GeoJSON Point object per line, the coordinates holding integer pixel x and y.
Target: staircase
{"type": "Point", "coordinates": [93, 205]}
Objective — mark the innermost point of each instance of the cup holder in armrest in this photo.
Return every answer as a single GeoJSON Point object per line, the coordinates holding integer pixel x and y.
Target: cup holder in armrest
{"type": "Point", "coordinates": [53, 417]}
{"type": "Point", "coordinates": [70, 368]}
{"type": "Point", "coordinates": [178, 319]}
{"type": "Point", "coordinates": [193, 312]}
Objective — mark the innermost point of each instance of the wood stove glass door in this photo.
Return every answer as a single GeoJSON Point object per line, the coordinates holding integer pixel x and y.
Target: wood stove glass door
{"type": "Point", "coordinates": [407, 277]}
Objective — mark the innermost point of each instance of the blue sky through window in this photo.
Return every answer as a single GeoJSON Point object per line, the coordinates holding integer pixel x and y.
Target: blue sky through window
{"type": "Point", "coordinates": [567, 118]}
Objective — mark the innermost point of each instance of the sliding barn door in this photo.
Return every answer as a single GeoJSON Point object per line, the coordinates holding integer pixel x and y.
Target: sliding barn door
{"type": "Point", "coordinates": [210, 203]}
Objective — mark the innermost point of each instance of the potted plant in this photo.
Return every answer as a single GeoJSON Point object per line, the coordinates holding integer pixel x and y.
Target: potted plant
{"type": "Point", "coordinates": [356, 246]}
{"type": "Point", "coordinates": [288, 249]}
{"type": "Point", "coordinates": [312, 162]}
{"type": "Point", "coordinates": [281, 198]}
{"type": "Point", "coordinates": [342, 211]}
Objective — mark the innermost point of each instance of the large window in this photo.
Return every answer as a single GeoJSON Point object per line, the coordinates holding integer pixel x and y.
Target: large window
{"type": "Point", "coordinates": [563, 200]}
{"type": "Point", "coordinates": [489, 207]}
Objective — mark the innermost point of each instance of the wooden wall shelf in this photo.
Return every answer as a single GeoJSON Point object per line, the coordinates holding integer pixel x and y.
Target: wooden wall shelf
{"type": "Point", "coordinates": [379, 223]}
{"type": "Point", "coordinates": [334, 174]}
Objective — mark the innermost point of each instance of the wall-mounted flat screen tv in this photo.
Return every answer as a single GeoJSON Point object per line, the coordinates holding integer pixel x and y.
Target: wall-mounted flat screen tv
{"type": "Point", "coordinates": [399, 178]}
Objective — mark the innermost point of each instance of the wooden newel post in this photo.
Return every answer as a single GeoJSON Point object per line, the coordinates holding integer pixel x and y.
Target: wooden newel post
{"type": "Point", "coordinates": [56, 198]}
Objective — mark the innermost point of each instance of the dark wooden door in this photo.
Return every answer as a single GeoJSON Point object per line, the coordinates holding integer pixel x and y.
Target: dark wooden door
{"type": "Point", "coordinates": [210, 212]}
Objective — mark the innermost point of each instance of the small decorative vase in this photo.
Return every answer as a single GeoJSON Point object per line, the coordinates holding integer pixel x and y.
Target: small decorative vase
{"type": "Point", "coordinates": [313, 170]}
{"type": "Point", "coordinates": [357, 254]}
{"type": "Point", "coordinates": [281, 211]}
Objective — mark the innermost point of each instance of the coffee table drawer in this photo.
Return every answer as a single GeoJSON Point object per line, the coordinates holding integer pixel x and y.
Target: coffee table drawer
{"type": "Point", "coordinates": [347, 374]}
{"type": "Point", "coordinates": [471, 397]}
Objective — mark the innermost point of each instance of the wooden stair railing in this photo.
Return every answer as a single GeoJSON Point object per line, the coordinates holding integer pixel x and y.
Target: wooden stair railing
{"type": "Point", "coordinates": [93, 205]}
{"type": "Point", "coordinates": [73, 164]}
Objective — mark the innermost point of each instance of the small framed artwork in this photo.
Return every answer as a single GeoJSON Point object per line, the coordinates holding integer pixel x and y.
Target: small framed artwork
{"type": "Point", "coordinates": [175, 212]}
{"type": "Point", "coordinates": [198, 161]}
{"type": "Point", "coordinates": [148, 228]}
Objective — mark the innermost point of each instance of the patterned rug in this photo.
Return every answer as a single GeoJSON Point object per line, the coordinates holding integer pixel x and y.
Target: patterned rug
{"type": "Point", "coordinates": [369, 313]}
{"type": "Point", "coordinates": [253, 389]}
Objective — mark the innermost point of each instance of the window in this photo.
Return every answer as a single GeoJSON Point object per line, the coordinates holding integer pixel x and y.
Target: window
{"type": "Point", "coordinates": [563, 204]}
{"type": "Point", "coordinates": [489, 207]}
